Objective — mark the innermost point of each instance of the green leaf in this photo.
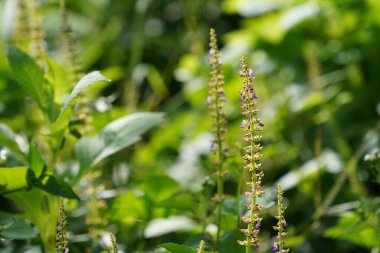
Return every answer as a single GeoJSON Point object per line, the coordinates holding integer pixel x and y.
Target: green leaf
{"type": "Point", "coordinates": [58, 78]}
{"type": "Point", "coordinates": [15, 228]}
{"type": "Point", "coordinates": [176, 248]}
{"type": "Point", "coordinates": [67, 109]}
{"type": "Point", "coordinates": [352, 228]}
{"type": "Point", "coordinates": [117, 135]}
{"type": "Point", "coordinates": [182, 201]}
{"type": "Point", "coordinates": [161, 226]}
{"type": "Point", "coordinates": [12, 179]}
{"type": "Point", "coordinates": [36, 164]}
{"type": "Point", "coordinates": [128, 208]}
{"type": "Point", "coordinates": [229, 242]}
{"type": "Point", "coordinates": [56, 186]}
{"type": "Point", "coordinates": [31, 78]}
{"type": "Point", "coordinates": [41, 209]}
{"type": "Point", "coordinates": [8, 139]}
{"type": "Point", "coordinates": [159, 188]}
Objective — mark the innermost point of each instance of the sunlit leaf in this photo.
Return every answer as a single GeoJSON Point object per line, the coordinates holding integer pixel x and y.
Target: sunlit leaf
{"type": "Point", "coordinates": [36, 164]}
{"type": "Point", "coordinates": [117, 135]}
{"type": "Point", "coordinates": [68, 107]}
{"type": "Point", "coordinates": [12, 179]}
{"type": "Point", "coordinates": [8, 139]}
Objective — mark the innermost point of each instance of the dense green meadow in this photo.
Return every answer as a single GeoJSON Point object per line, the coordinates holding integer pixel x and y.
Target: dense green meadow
{"type": "Point", "coordinates": [189, 126]}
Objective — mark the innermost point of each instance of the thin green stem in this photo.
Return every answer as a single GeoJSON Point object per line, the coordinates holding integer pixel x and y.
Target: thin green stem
{"type": "Point", "coordinates": [220, 173]}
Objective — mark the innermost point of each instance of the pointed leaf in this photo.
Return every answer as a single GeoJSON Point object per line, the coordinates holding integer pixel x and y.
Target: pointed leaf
{"type": "Point", "coordinates": [117, 135]}
{"type": "Point", "coordinates": [8, 139]}
{"type": "Point", "coordinates": [36, 164]}
{"type": "Point", "coordinates": [15, 228]}
{"type": "Point", "coordinates": [67, 109]}
{"type": "Point", "coordinates": [12, 179]}
{"type": "Point", "coordinates": [177, 248]}
{"type": "Point", "coordinates": [31, 78]}
{"type": "Point", "coordinates": [56, 186]}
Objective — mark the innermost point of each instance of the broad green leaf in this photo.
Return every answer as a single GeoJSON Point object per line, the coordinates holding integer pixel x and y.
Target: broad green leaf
{"type": "Point", "coordinates": [41, 209]}
{"type": "Point", "coordinates": [36, 164]}
{"type": "Point", "coordinates": [31, 78]}
{"type": "Point", "coordinates": [12, 179]}
{"type": "Point", "coordinates": [128, 208]}
{"type": "Point", "coordinates": [352, 228]}
{"type": "Point", "coordinates": [58, 79]}
{"type": "Point", "coordinates": [159, 188]}
{"type": "Point", "coordinates": [182, 201]}
{"type": "Point", "coordinates": [177, 248]}
{"type": "Point", "coordinates": [229, 242]}
{"type": "Point", "coordinates": [8, 139]}
{"type": "Point", "coordinates": [117, 135]}
{"type": "Point", "coordinates": [68, 107]}
{"type": "Point", "coordinates": [15, 228]}
{"type": "Point", "coordinates": [162, 226]}
{"type": "Point", "coordinates": [56, 186]}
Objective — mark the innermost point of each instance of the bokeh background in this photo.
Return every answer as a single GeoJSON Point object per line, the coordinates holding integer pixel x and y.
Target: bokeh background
{"type": "Point", "coordinates": [317, 66]}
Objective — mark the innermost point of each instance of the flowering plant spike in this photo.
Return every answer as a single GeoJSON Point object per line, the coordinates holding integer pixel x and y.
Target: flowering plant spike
{"type": "Point", "coordinates": [215, 102]}
{"type": "Point", "coordinates": [61, 238]}
{"type": "Point", "coordinates": [252, 126]}
{"type": "Point", "coordinates": [279, 245]}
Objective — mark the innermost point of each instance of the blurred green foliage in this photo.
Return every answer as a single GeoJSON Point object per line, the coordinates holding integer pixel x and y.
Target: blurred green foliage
{"type": "Point", "coordinates": [318, 81]}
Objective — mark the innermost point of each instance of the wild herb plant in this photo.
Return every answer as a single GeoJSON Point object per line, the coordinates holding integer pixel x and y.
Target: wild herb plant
{"type": "Point", "coordinates": [279, 245]}
{"type": "Point", "coordinates": [61, 237]}
{"type": "Point", "coordinates": [215, 102]}
{"type": "Point", "coordinates": [252, 126]}
{"type": "Point", "coordinates": [318, 91]}
{"type": "Point", "coordinates": [34, 181]}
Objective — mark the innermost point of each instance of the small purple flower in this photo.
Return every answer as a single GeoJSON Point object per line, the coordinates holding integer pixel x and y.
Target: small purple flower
{"type": "Point", "coordinates": [257, 245]}
{"type": "Point", "coordinates": [275, 247]}
{"type": "Point", "coordinates": [212, 145]}
{"type": "Point", "coordinates": [212, 52]}
{"type": "Point", "coordinates": [67, 250]}
{"type": "Point", "coordinates": [285, 225]}
{"type": "Point", "coordinates": [243, 97]}
{"type": "Point", "coordinates": [208, 101]}
{"type": "Point", "coordinates": [254, 96]}
{"type": "Point", "coordinates": [241, 73]}
{"type": "Point", "coordinates": [242, 125]}
{"type": "Point", "coordinates": [258, 226]}
{"type": "Point", "coordinates": [261, 124]}
{"type": "Point", "coordinates": [250, 73]}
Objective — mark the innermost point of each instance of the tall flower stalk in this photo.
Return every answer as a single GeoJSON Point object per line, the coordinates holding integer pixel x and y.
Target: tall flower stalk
{"type": "Point", "coordinates": [61, 238]}
{"type": "Point", "coordinates": [252, 127]}
{"type": "Point", "coordinates": [215, 103]}
{"type": "Point", "coordinates": [279, 245]}
{"type": "Point", "coordinates": [69, 46]}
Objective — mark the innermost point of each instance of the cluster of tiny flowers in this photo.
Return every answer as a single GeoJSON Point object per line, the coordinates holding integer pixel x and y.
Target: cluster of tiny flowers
{"type": "Point", "coordinates": [113, 243]}
{"type": "Point", "coordinates": [69, 46]}
{"type": "Point", "coordinates": [61, 239]}
{"type": "Point", "coordinates": [279, 245]}
{"type": "Point", "coordinates": [251, 126]}
{"type": "Point", "coordinates": [201, 247]}
{"type": "Point", "coordinates": [217, 98]}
